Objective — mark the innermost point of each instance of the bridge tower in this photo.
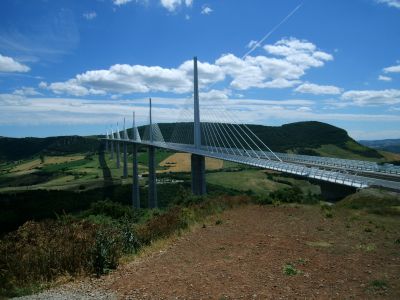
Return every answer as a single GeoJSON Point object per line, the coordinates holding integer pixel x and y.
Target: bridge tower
{"type": "Point", "coordinates": [112, 145]}
{"type": "Point", "coordinates": [152, 189]}
{"type": "Point", "coordinates": [198, 165]}
{"type": "Point", "coordinates": [107, 137]}
{"type": "Point", "coordinates": [135, 171]}
{"type": "Point", "coordinates": [125, 145]}
{"type": "Point", "coordinates": [118, 149]}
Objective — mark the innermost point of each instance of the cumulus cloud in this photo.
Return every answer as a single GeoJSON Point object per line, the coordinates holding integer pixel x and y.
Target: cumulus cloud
{"type": "Point", "coordinates": [172, 5]}
{"type": "Point", "coordinates": [26, 91]}
{"type": "Point", "coordinates": [121, 2]}
{"type": "Point", "coordinates": [392, 69]}
{"type": "Point", "coordinates": [391, 3]}
{"type": "Point", "coordinates": [372, 97]}
{"type": "Point", "coordinates": [90, 15]}
{"type": "Point", "coordinates": [384, 78]}
{"type": "Point", "coordinates": [215, 95]}
{"type": "Point", "coordinates": [287, 62]}
{"type": "Point", "coordinates": [8, 64]}
{"type": "Point", "coordinates": [70, 87]}
{"type": "Point", "coordinates": [282, 67]}
{"type": "Point", "coordinates": [311, 88]}
{"type": "Point", "coordinates": [206, 10]}
{"type": "Point", "coordinates": [125, 79]}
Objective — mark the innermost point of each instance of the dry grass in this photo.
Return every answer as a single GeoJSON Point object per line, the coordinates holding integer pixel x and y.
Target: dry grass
{"type": "Point", "coordinates": [48, 160]}
{"type": "Point", "coordinates": [26, 166]}
{"type": "Point", "coordinates": [390, 156]}
{"type": "Point", "coordinates": [180, 162]}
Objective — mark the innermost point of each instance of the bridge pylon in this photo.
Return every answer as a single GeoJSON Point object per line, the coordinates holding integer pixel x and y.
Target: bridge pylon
{"type": "Point", "coordinates": [152, 185]}
{"type": "Point", "coordinates": [125, 146]}
{"type": "Point", "coordinates": [198, 165]}
{"type": "Point", "coordinates": [135, 169]}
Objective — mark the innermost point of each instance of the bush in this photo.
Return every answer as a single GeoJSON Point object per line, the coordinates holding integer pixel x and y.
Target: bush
{"type": "Point", "coordinates": [39, 252]}
{"type": "Point", "coordinates": [161, 226]}
{"type": "Point", "coordinates": [111, 209]}
{"type": "Point", "coordinates": [266, 200]}
{"type": "Point", "coordinates": [290, 270]}
{"type": "Point", "coordinates": [106, 251]}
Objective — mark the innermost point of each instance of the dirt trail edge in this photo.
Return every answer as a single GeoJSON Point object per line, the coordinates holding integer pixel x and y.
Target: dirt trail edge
{"type": "Point", "coordinates": [254, 252]}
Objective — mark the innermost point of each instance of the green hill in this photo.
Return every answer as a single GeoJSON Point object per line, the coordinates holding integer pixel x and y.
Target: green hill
{"type": "Point", "coordinates": [310, 138]}
{"type": "Point", "coordinates": [21, 148]}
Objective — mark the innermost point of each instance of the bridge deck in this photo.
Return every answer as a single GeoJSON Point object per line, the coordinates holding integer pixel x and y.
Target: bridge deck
{"type": "Point", "coordinates": [301, 165]}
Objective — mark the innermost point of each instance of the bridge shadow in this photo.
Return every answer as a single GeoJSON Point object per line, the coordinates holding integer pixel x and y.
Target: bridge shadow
{"type": "Point", "coordinates": [108, 187]}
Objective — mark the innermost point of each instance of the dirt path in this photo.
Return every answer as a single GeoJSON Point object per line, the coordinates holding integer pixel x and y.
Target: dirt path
{"type": "Point", "coordinates": [244, 256]}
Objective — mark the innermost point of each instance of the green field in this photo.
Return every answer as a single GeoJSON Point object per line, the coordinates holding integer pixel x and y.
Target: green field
{"type": "Point", "coordinates": [85, 172]}
{"type": "Point", "coordinates": [258, 182]}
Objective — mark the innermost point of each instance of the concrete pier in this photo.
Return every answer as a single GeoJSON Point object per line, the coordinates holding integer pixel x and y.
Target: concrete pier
{"type": "Point", "coordinates": [152, 178]}
{"type": "Point", "coordinates": [198, 163]}
{"type": "Point", "coordinates": [118, 155]}
{"type": "Point", "coordinates": [135, 179]}
{"type": "Point", "coordinates": [125, 160]}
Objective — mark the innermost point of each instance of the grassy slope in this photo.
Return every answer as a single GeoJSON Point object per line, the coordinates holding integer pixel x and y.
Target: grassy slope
{"type": "Point", "coordinates": [84, 173]}
{"type": "Point", "coordinates": [312, 138]}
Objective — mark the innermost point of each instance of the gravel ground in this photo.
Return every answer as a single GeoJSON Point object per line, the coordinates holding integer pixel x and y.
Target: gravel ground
{"type": "Point", "coordinates": [85, 290]}
{"type": "Point", "coordinates": [244, 254]}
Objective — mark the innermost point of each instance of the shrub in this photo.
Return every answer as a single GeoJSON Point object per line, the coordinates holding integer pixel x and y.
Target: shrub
{"type": "Point", "coordinates": [263, 200]}
{"type": "Point", "coordinates": [106, 251]}
{"type": "Point", "coordinates": [161, 226]}
{"type": "Point", "coordinates": [38, 252]}
{"type": "Point", "coordinates": [378, 285]}
{"type": "Point", "coordinates": [290, 270]}
{"type": "Point", "coordinates": [111, 209]}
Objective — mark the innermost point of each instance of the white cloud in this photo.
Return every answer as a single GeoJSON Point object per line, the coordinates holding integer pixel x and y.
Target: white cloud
{"type": "Point", "coordinates": [206, 10]}
{"type": "Point", "coordinates": [8, 64]}
{"type": "Point", "coordinates": [372, 97]}
{"type": "Point", "coordinates": [299, 52]}
{"type": "Point", "coordinates": [172, 5]}
{"type": "Point", "coordinates": [15, 109]}
{"type": "Point", "coordinates": [71, 87]}
{"type": "Point", "coordinates": [215, 95]}
{"type": "Point", "coordinates": [392, 69]}
{"type": "Point", "coordinates": [391, 3]}
{"type": "Point", "coordinates": [288, 63]}
{"type": "Point", "coordinates": [311, 88]}
{"type": "Point", "coordinates": [121, 2]}
{"type": "Point", "coordinates": [384, 78]}
{"type": "Point", "coordinates": [138, 79]}
{"type": "Point", "coordinates": [284, 71]}
{"type": "Point", "coordinates": [304, 109]}
{"type": "Point", "coordinates": [26, 91]}
{"type": "Point", "coordinates": [253, 43]}
{"type": "Point", "coordinates": [90, 15]}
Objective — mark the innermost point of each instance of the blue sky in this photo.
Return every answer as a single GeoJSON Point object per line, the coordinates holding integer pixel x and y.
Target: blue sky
{"type": "Point", "coordinates": [76, 67]}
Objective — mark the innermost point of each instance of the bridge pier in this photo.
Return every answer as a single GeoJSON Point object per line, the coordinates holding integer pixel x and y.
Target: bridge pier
{"type": "Point", "coordinates": [198, 162]}
{"type": "Point", "coordinates": [112, 150]}
{"type": "Point", "coordinates": [118, 156]}
{"type": "Point", "coordinates": [107, 144]}
{"type": "Point", "coordinates": [135, 179]}
{"type": "Point", "coordinates": [198, 166]}
{"type": "Point", "coordinates": [152, 187]}
{"type": "Point", "coordinates": [125, 160]}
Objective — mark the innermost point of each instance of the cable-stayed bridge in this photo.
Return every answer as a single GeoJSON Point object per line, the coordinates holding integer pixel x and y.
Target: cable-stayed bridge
{"type": "Point", "coordinates": [217, 134]}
